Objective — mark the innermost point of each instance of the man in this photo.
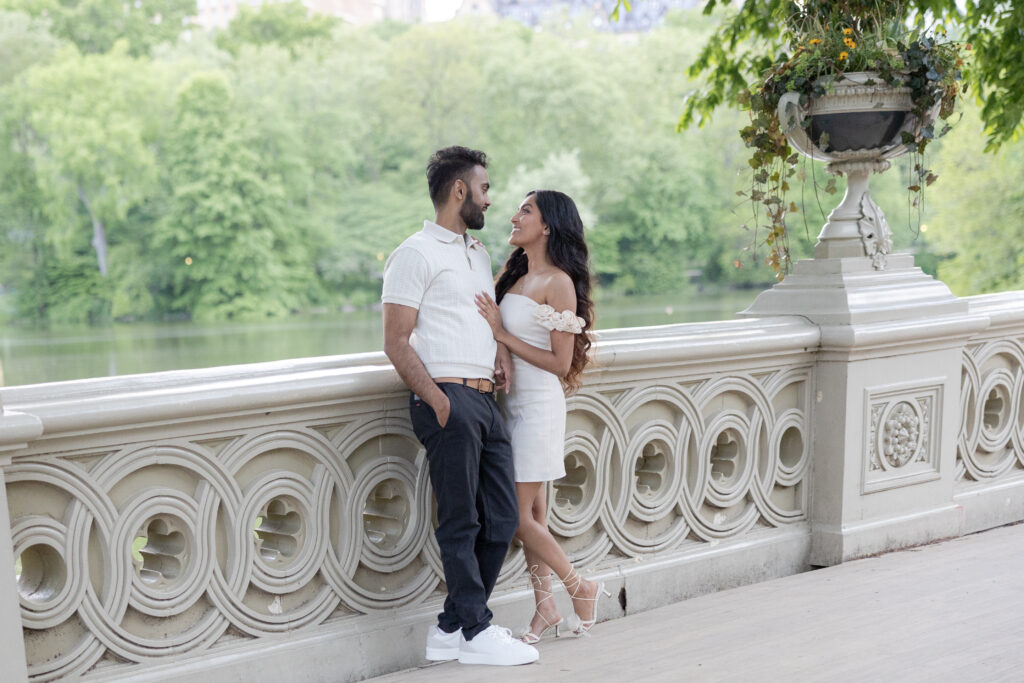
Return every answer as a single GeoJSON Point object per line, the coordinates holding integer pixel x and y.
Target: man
{"type": "Point", "coordinates": [445, 353]}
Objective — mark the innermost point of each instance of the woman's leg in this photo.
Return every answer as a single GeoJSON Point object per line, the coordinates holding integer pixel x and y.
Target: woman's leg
{"type": "Point", "coordinates": [546, 612]}
{"type": "Point", "coordinates": [541, 549]}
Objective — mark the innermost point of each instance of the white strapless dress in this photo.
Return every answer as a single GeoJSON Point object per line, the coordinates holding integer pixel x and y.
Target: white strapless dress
{"type": "Point", "coordinates": [535, 407]}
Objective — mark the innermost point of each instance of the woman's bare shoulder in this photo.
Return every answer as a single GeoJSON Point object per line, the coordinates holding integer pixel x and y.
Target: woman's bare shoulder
{"type": "Point", "coordinates": [559, 291]}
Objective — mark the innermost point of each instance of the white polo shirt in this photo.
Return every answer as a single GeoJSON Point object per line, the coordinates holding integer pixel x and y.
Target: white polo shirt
{"type": "Point", "coordinates": [439, 273]}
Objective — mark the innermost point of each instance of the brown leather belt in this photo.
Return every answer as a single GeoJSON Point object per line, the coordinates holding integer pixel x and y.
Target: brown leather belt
{"type": "Point", "coordinates": [484, 386]}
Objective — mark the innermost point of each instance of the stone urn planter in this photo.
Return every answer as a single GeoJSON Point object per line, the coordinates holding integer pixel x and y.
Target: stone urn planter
{"type": "Point", "coordinates": [857, 127]}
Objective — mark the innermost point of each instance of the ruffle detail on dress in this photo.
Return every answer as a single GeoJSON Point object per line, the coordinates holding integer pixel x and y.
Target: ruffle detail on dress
{"type": "Point", "coordinates": [566, 321]}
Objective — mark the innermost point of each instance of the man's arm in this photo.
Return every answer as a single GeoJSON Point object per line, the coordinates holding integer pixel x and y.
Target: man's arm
{"type": "Point", "coordinates": [399, 322]}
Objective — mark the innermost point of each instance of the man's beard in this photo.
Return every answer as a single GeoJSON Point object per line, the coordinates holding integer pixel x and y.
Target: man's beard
{"type": "Point", "coordinates": [471, 213]}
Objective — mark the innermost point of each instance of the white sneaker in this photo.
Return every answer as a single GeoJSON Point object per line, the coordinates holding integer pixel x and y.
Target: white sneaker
{"type": "Point", "coordinates": [441, 646]}
{"type": "Point", "coordinates": [496, 646]}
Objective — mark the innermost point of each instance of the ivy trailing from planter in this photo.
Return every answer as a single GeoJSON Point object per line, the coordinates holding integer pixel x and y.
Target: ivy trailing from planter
{"type": "Point", "coordinates": [827, 40]}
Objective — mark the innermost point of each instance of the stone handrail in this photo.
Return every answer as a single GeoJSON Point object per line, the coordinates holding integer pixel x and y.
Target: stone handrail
{"type": "Point", "coordinates": [191, 516]}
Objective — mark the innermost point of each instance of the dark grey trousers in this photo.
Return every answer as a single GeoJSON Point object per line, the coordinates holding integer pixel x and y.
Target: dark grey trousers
{"type": "Point", "coordinates": [472, 475]}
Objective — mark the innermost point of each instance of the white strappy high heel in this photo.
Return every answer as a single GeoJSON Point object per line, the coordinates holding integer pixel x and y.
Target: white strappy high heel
{"type": "Point", "coordinates": [573, 582]}
{"type": "Point", "coordinates": [528, 636]}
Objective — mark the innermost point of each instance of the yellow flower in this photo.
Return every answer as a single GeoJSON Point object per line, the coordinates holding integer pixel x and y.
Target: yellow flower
{"type": "Point", "coordinates": [848, 42]}
{"type": "Point", "coordinates": [815, 41]}
{"type": "Point", "coordinates": [847, 31]}
{"type": "Point", "coordinates": [843, 55]}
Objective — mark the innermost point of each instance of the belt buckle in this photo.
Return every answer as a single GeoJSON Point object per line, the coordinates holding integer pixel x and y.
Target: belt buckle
{"type": "Point", "coordinates": [477, 384]}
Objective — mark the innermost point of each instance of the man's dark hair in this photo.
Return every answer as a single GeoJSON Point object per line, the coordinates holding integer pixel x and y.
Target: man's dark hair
{"type": "Point", "coordinates": [448, 165]}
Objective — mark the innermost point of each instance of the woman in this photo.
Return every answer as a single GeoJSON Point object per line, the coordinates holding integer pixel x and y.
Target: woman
{"type": "Point", "coordinates": [542, 313]}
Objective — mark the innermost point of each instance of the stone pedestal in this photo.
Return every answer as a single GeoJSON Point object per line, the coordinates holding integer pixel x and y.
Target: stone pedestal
{"type": "Point", "coordinates": [886, 401]}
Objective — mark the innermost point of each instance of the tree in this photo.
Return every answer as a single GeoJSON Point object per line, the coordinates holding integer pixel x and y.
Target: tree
{"type": "Point", "coordinates": [367, 221]}
{"type": "Point", "coordinates": [24, 250]}
{"type": "Point", "coordinates": [560, 171]}
{"type": "Point", "coordinates": [230, 242]}
{"type": "Point", "coordinates": [24, 42]}
{"type": "Point", "coordinates": [975, 221]}
{"type": "Point", "coordinates": [749, 40]}
{"type": "Point", "coordinates": [430, 96]}
{"type": "Point", "coordinates": [278, 177]}
{"type": "Point", "coordinates": [83, 122]}
{"type": "Point", "coordinates": [288, 25]}
{"type": "Point", "coordinates": [95, 26]}
{"type": "Point", "coordinates": [664, 223]}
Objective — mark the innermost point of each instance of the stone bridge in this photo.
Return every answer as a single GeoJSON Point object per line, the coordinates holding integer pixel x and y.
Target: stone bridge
{"type": "Point", "coordinates": [273, 521]}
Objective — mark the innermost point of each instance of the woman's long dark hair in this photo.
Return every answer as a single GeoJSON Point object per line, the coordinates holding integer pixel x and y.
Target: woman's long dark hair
{"type": "Point", "coordinates": [567, 250]}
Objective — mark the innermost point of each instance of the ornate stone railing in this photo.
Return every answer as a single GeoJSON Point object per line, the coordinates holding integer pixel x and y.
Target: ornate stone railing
{"type": "Point", "coordinates": [990, 443]}
{"type": "Point", "coordinates": [230, 520]}
{"type": "Point", "coordinates": [274, 520]}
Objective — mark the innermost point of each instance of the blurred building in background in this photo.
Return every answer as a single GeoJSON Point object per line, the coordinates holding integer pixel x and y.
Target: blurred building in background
{"type": "Point", "coordinates": [644, 16]}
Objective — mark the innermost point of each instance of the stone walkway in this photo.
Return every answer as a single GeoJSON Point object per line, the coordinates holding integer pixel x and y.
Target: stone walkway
{"type": "Point", "coordinates": [952, 611]}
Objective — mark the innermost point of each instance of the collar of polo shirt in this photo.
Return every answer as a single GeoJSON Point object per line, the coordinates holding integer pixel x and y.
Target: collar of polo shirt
{"type": "Point", "coordinates": [443, 234]}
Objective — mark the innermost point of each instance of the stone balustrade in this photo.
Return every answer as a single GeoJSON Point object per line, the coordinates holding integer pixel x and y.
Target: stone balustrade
{"type": "Point", "coordinates": [273, 521]}
{"type": "Point", "coordinates": [990, 442]}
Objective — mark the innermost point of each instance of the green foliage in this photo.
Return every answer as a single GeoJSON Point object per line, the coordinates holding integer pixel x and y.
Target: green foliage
{"type": "Point", "coordinates": [81, 136]}
{"type": "Point", "coordinates": [84, 122]}
{"type": "Point", "coordinates": [994, 29]}
{"type": "Point", "coordinates": [24, 41]}
{"type": "Point", "coordinates": [286, 24]}
{"type": "Point", "coordinates": [227, 241]}
{"type": "Point", "coordinates": [560, 171]}
{"type": "Point", "coordinates": [974, 223]}
{"type": "Point", "coordinates": [70, 291]}
{"type": "Point", "coordinates": [664, 224]}
{"type": "Point", "coordinates": [367, 222]}
{"type": "Point", "coordinates": [94, 26]}
{"type": "Point", "coordinates": [286, 171]}
{"type": "Point", "coordinates": [826, 40]}
{"type": "Point", "coordinates": [751, 38]}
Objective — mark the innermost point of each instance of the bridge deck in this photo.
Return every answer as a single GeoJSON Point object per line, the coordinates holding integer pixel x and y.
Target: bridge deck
{"type": "Point", "coordinates": [952, 611]}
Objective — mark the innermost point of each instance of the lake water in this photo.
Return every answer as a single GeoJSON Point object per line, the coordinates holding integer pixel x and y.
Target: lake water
{"type": "Point", "coordinates": [34, 356]}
